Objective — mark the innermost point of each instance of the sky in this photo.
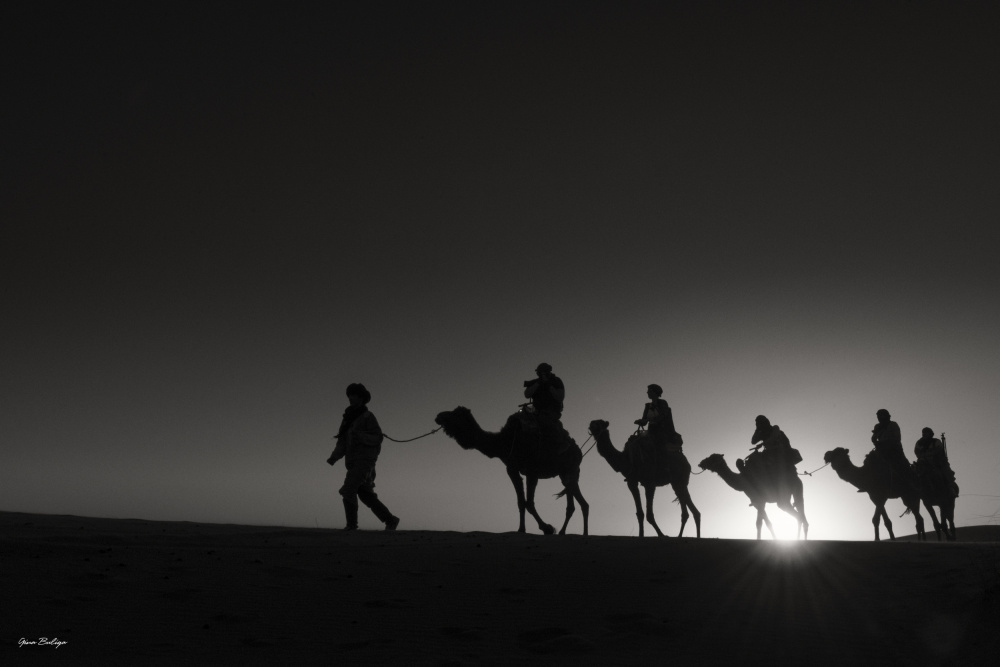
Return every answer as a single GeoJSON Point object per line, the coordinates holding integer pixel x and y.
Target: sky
{"type": "Point", "coordinates": [216, 216]}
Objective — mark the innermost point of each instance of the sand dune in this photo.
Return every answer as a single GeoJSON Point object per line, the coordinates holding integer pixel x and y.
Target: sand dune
{"type": "Point", "coordinates": [108, 591]}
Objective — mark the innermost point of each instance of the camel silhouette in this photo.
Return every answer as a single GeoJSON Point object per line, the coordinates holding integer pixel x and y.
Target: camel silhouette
{"type": "Point", "coordinates": [673, 470]}
{"type": "Point", "coordinates": [762, 490]}
{"type": "Point", "coordinates": [524, 452]}
{"type": "Point", "coordinates": [877, 478]}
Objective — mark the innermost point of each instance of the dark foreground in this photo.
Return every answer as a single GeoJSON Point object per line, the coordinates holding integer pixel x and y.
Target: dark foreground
{"type": "Point", "coordinates": [141, 592]}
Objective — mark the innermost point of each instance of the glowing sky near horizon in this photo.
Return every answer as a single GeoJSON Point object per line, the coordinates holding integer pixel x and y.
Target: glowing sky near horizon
{"type": "Point", "coordinates": [217, 218]}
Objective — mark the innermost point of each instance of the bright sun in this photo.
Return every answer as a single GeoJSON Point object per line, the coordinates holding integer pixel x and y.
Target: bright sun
{"type": "Point", "coordinates": [785, 525]}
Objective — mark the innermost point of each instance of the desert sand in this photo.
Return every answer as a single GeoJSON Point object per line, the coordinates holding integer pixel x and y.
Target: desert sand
{"type": "Point", "coordinates": [121, 591]}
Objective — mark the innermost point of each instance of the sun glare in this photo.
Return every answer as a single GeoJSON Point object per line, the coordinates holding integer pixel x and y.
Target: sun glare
{"type": "Point", "coordinates": [785, 526]}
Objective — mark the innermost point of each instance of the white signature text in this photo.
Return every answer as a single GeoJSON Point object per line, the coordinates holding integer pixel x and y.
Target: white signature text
{"type": "Point", "coordinates": [41, 641]}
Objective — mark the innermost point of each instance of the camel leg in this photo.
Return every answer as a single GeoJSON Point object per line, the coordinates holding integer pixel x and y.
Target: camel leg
{"type": "Point", "coordinates": [515, 478]}
{"type": "Point", "coordinates": [880, 513]}
{"type": "Point", "coordinates": [762, 519]}
{"type": "Point", "coordinates": [684, 496]}
{"type": "Point", "coordinates": [948, 520]}
{"type": "Point", "coordinates": [767, 522]}
{"type": "Point", "coordinates": [799, 516]}
{"type": "Point", "coordinates": [570, 508]}
{"type": "Point", "coordinates": [650, 492]}
{"type": "Point", "coordinates": [633, 488]}
{"type": "Point", "coordinates": [921, 533]}
{"type": "Point", "coordinates": [800, 506]}
{"type": "Point", "coordinates": [584, 506]}
{"type": "Point", "coordinates": [934, 519]}
{"type": "Point", "coordinates": [530, 506]}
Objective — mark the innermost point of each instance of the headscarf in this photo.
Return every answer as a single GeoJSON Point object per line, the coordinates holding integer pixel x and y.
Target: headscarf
{"type": "Point", "coordinates": [763, 429]}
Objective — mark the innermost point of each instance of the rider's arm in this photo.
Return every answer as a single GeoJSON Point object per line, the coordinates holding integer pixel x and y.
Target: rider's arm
{"type": "Point", "coordinates": [558, 391]}
{"type": "Point", "coordinates": [642, 421]}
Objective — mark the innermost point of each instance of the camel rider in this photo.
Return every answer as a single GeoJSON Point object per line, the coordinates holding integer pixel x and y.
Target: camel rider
{"type": "Point", "coordinates": [932, 464]}
{"type": "Point", "coordinates": [546, 393]}
{"type": "Point", "coordinates": [929, 449]}
{"type": "Point", "coordinates": [889, 443]}
{"type": "Point", "coordinates": [658, 419]}
{"type": "Point", "coordinates": [775, 459]}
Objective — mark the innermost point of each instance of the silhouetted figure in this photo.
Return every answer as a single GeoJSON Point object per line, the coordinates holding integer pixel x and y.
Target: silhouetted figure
{"type": "Point", "coordinates": [659, 419]}
{"type": "Point", "coordinates": [518, 448]}
{"type": "Point", "coordinates": [877, 478]}
{"type": "Point", "coordinates": [936, 481]}
{"type": "Point", "coordinates": [777, 461]}
{"type": "Point", "coordinates": [359, 442]}
{"type": "Point", "coordinates": [671, 468]}
{"type": "Point", "coordinates": [761, 489]}
{"type": "Point", "coordinates": [546, 393]}
{"type": "Point", "coordinates": [889, 443]}
{"type": "Point", "coordinates": [930, 451]}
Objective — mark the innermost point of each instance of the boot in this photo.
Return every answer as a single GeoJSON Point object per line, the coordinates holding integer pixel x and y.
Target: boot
{"type": "Point", "coordinates": [382, 512]}
{"type": "Point", "coordinates": [351, 512]}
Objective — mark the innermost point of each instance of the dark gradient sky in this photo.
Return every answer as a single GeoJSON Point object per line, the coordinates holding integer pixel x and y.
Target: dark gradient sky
{"type": "Point", "coordinates": [216, 217]}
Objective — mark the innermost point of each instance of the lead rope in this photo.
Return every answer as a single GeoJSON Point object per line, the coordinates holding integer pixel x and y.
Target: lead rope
{"type": "Point", "coordinates": [810, 473]}
{"type": "Point", "coordinates": [416, 438]}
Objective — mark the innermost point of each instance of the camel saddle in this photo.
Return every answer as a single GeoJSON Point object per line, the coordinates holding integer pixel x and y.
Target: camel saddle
{"type": "Point", "coordinates": [644, 452]}
{"type": "Point", "coordinates": [542, 439]}
{"type": "Point", "coordinates": [935, 475]}
{"type": "Point", "coordinates": [894, 465]}
{"type": "Point", "coordinates": [770, 465]}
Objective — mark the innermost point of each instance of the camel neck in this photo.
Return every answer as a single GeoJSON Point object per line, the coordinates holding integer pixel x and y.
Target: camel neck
{"type": "Point", "coordinates": [851, 473]}
{"type": "Point", "coordinates": [731, 478]}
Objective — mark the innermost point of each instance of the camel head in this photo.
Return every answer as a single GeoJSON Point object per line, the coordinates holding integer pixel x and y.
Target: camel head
{"type": "Point", "coordinates": [598, 426]}
{"type": "Point", "coordinates": [457, 423]}
{"type": "Point", "coordinates": [715, 463]}
{"type": "Point", "coordinates": [836, 455]}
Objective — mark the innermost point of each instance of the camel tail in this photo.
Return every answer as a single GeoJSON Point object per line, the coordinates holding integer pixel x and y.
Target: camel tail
{"type": "Point", "coordinates": [562, 493]}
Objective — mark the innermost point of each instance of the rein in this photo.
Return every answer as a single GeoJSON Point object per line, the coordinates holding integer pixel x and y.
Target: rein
{"type": "Point", "coordinates": [412, 439]}
{"type": "Point", "coordinates": [817, 469]}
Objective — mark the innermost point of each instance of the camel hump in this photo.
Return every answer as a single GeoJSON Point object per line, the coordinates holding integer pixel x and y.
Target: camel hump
{"type": "Point", "coordinates": [544, 437]}
{"type": "Point", "coordinates": [646, 453]}
{"type": "Point", "coordinates": [874, 459]}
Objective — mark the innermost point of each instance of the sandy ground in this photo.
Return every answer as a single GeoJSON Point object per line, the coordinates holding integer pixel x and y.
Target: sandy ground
{"type": "Point", "coordinates": [103, 591]}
